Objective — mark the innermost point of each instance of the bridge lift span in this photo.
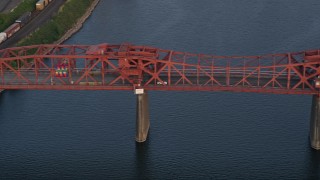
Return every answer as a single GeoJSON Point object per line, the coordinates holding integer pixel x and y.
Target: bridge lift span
{"type": "Point", "coordinates": [143, 68]}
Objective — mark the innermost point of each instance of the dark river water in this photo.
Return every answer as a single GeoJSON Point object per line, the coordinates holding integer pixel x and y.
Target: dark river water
{"type": "Point", "coordinates": [193, 135]}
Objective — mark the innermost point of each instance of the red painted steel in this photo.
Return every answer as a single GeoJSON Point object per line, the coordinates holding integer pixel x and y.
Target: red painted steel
{"type": "Point", "coordinates": [126, 67]}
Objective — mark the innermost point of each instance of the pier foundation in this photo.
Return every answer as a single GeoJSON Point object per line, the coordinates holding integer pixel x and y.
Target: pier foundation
{"type": "Point", "coordinates": [315, 123]}
{"type": "Point", "coordinates": [142, 119]}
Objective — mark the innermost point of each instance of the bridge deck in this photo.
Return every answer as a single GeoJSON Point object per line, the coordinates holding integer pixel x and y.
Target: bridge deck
{"type": "Point", "coordinates": [126, 67]}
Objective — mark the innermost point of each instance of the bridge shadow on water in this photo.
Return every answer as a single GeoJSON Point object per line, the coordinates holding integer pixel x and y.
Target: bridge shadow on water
{"type": "Point", "coordinates": [313, 167]}
{"type": "Point", "coordinates": [142, 160]}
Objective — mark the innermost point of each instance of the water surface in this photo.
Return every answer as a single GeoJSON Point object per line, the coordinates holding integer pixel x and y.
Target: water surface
{"type": "Point", "coordinates": [193, 135]}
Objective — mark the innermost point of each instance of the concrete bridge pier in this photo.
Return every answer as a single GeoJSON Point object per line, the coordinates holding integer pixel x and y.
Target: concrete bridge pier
{"type": "Point", "coordinates": [142, 119]}
{"type": "Point", "coordinates": [315, 123]}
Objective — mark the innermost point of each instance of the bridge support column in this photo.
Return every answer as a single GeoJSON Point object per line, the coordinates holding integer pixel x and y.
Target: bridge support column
{"type": "Point", "coordinates": [315, 123]}
{"type": "Point", "coordinates": [142, 121]}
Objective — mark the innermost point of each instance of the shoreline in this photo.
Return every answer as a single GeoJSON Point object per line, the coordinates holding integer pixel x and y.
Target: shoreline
{"type": "Point", "coordinates": [79, 23]}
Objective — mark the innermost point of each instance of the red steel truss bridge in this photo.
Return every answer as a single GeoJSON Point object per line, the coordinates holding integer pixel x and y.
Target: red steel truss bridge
{"type": "Point", "coordinates": [144, 68]}
{"type": "Point", "coordinates": [126, 67]}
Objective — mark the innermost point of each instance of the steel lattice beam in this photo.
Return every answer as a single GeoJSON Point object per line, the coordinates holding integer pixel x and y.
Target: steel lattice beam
{"type": "Point", "coordinates": [125, 67]}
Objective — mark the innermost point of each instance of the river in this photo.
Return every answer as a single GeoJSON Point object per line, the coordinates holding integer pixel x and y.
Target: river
{"type": "Point", "coordinates": [193, 135]}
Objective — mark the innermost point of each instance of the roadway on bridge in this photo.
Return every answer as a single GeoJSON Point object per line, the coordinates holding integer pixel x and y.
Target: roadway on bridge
{"type": "Point", "coordinates": [47, 81]}
{"type": "Point", "coordinates": [35, 23]}
{"type": "Point", "coordinates": [125, 67]}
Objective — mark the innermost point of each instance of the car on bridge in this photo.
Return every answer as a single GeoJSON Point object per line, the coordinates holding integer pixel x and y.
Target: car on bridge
{"type": "Point", "coordinates": [162, 83]}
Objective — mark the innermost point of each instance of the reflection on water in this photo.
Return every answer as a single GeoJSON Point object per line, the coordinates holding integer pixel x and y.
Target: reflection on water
{"type": "Point", "coordinates": [313, 171]}
{"type": "Point", "coordinates": [142, 161]}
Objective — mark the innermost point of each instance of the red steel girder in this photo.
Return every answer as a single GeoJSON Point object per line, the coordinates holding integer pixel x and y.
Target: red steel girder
{"type": "Point", "coordinates": [126, 66]}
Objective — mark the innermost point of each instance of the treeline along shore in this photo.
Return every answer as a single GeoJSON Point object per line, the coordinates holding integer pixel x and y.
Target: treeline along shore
{"type": "Point", "coordinates": [69, 20]}
{"type": "Point", "coordinates": [76, 27]}
{"type": "Point", "coordinates": [6, 19]}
